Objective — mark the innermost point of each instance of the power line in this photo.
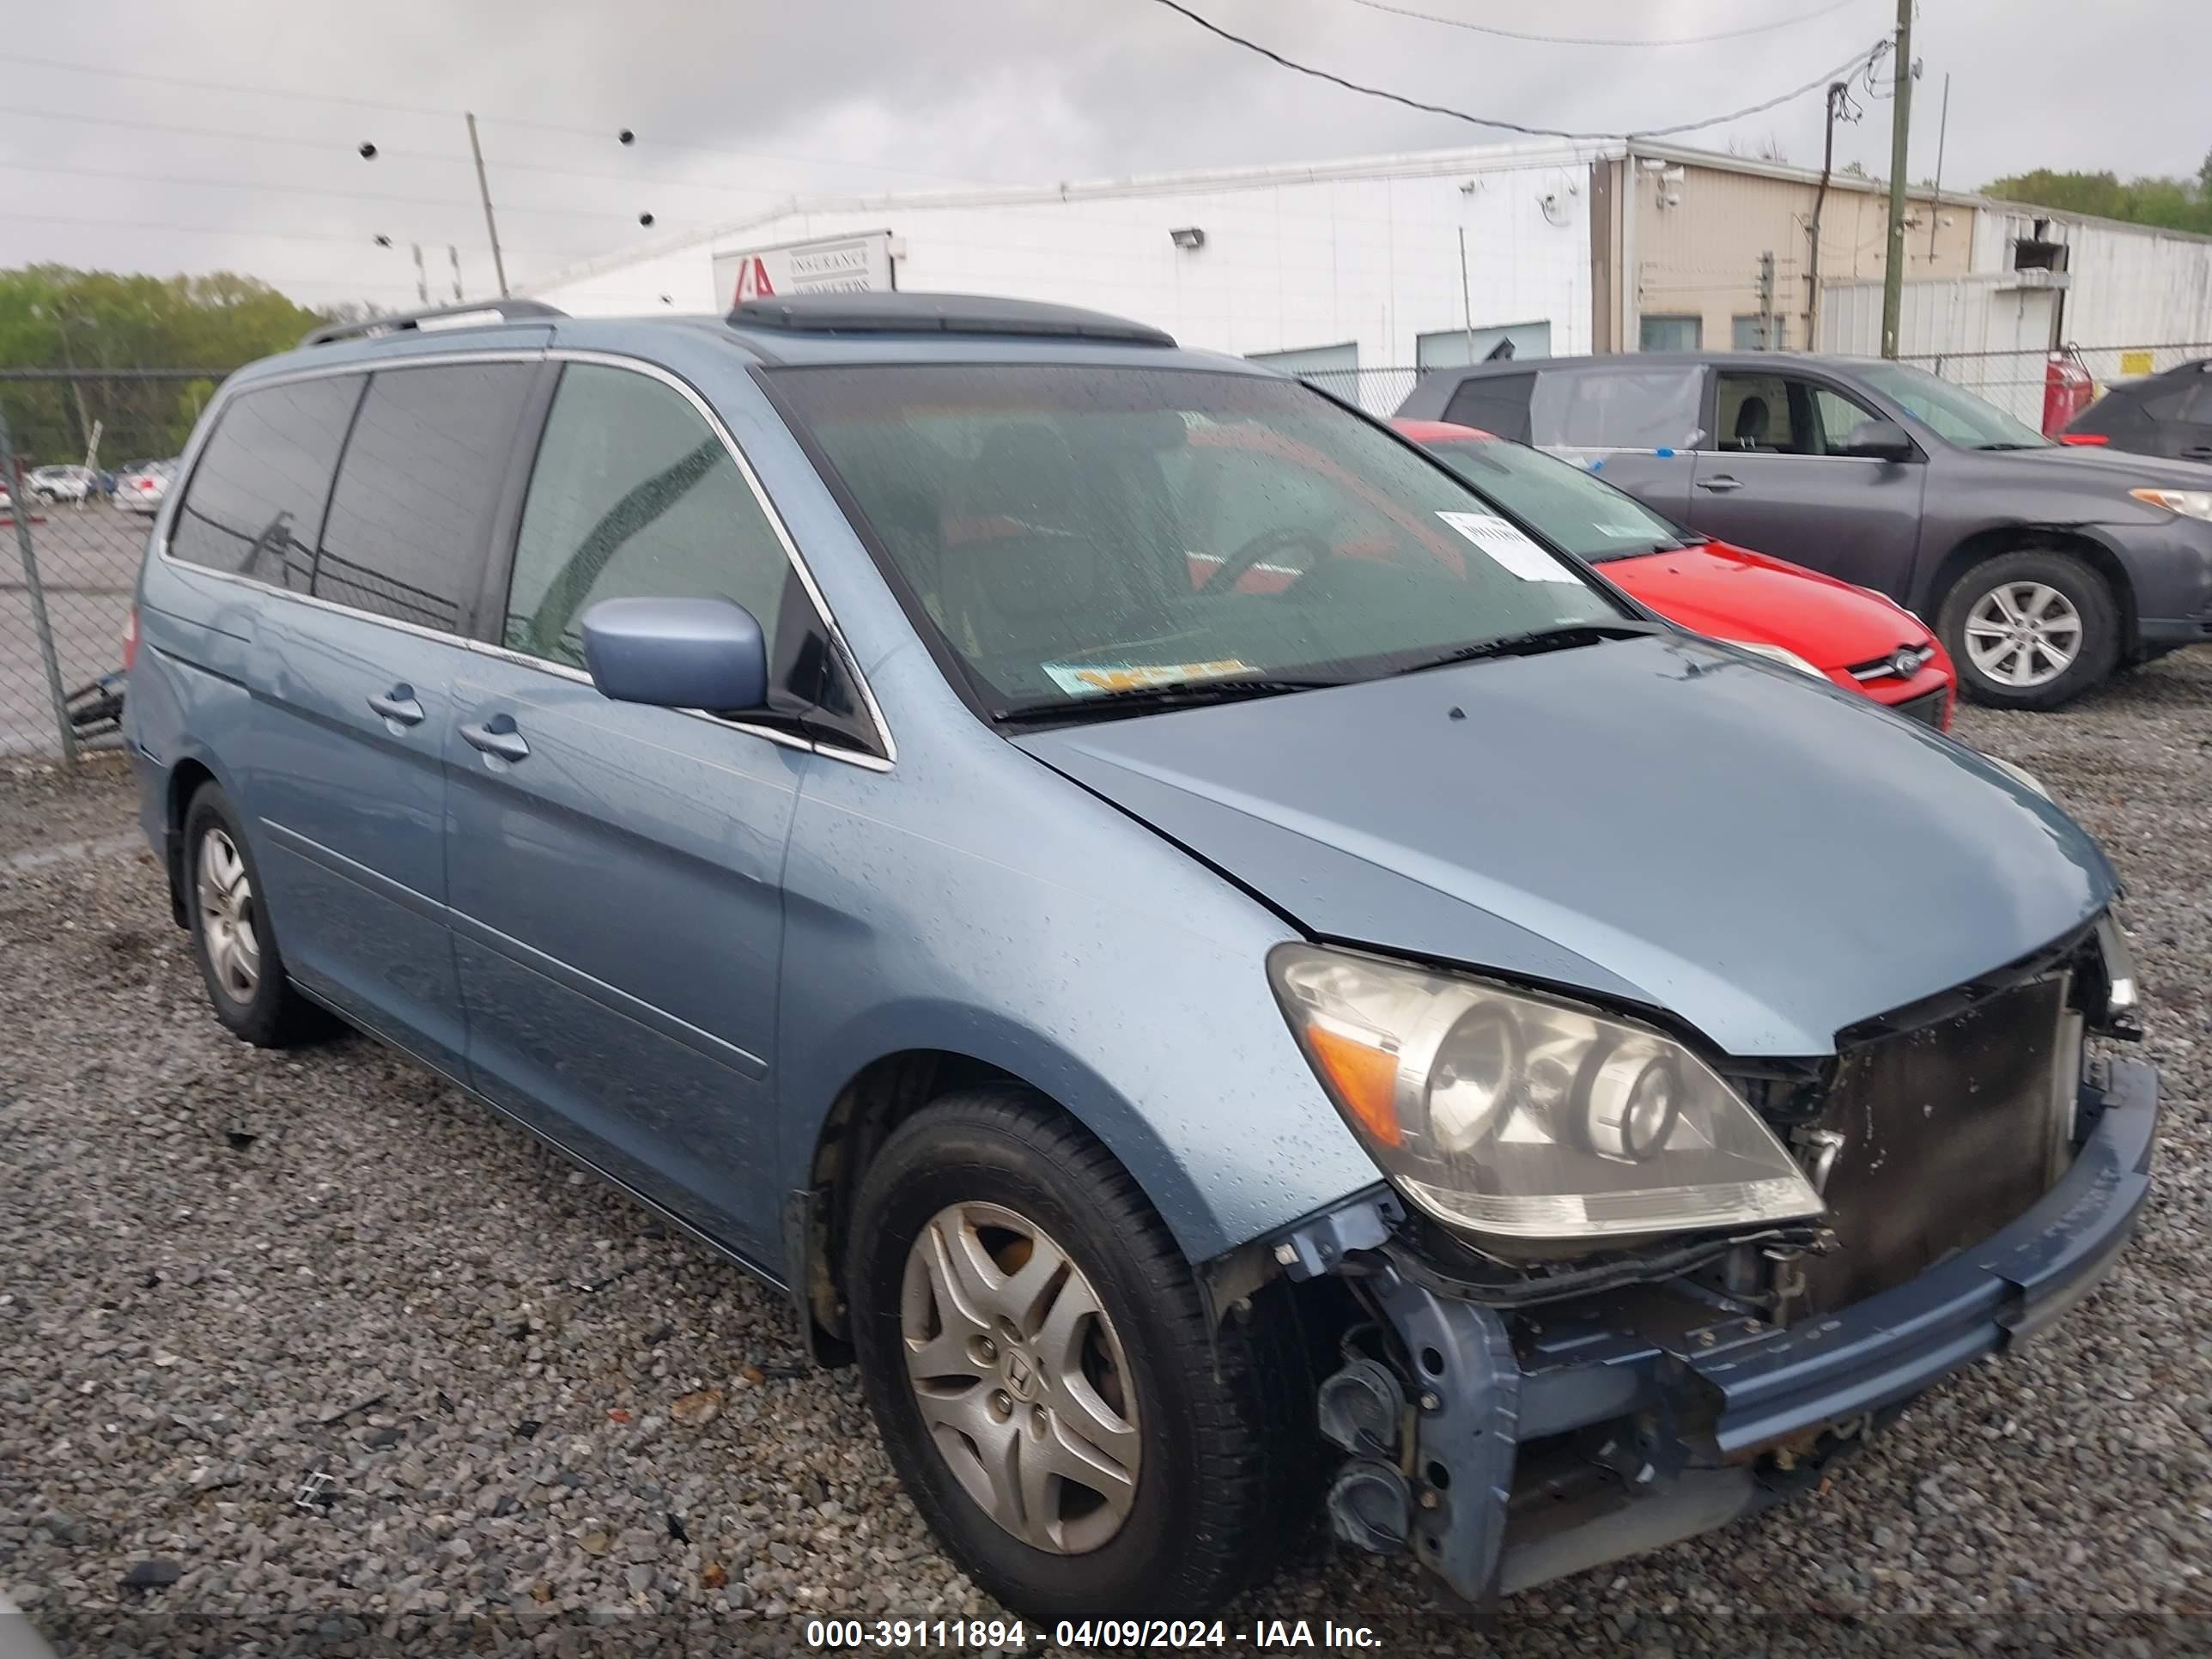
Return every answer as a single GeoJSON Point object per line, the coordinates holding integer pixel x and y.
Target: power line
{"type": "Point", "coordinates": [356, 238]}
{"type": "Point", "coordinates": [319, 97]}
{"type": "Point", "coordinates": [1273, 56]}
{"type": "Point", "coordinates": [136, 177]}
{"type": "Point", "coordinates": [1605, 40]}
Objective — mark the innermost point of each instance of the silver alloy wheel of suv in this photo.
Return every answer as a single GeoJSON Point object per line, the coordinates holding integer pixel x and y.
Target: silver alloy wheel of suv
{"type": "Point", "coordinates": [1020, 1377]}
{"type": "Point", "coordinates": [2023, 634]}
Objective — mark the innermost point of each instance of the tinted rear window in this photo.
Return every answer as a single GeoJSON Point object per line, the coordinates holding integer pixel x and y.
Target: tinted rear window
{"type": "Point", "coordinates": [256, 499]}
{"type": "Point", "coordinates": [410, 519]}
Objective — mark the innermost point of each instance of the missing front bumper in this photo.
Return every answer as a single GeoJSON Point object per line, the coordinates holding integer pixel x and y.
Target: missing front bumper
{"type": "Point", "coordinates": [1534, 1445]}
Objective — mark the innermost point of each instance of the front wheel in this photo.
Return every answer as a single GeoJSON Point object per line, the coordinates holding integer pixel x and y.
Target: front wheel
{"type": "Point", "coordinates": [1038, 1360]}
{"type": "Point", "coordinates": [2031, 629]}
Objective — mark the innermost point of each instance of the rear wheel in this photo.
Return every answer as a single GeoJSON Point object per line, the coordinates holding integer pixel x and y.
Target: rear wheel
{"type": "Point", "coordinates": [2031, 629]}
{"type": "Point", "coordinates": [1039, 1362]}
{"type": "Point", "coordinates": [232, 938]}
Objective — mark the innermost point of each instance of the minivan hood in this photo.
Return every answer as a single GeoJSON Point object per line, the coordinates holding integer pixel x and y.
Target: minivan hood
{"type": "Point", "coordinates": [1653, 821]}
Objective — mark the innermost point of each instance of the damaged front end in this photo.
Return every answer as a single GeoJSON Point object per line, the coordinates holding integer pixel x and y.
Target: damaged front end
{"type": "Point", "coordinates": [1508, 1416]}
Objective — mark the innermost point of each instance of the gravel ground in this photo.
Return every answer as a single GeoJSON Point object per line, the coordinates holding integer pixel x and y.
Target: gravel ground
{"type": "Point", "coordinates": [548, 1425]}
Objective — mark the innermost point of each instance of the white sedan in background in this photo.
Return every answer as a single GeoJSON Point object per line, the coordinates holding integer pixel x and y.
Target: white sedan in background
{"type": "Point", "coordinates": [59, 483]}
{"type": "Point", "coordinates": [142, 489]}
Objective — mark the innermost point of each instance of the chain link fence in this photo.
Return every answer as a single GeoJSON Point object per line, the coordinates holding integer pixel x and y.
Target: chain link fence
{"type": "Point", "coordinates": [2015, 381]}
{"type": "Point", "coordinates": [84, 459]}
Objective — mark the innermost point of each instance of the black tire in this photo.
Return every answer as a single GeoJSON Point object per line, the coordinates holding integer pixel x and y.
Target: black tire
{"type": "Point", "coordinates": [273, 1015]}
{"type": "Point", "coordinates": [2084, 588]}
{"type": "Point", "coordinates": [1229, 1458]}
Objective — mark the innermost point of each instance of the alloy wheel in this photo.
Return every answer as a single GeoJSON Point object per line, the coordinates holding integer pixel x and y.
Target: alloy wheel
{"type": "Point", "coordinates": [2023, 634]}
{"type": "Point", "coordinates": [226, 916]}
{"type": "Point", "coordinates": [1020, 1377]}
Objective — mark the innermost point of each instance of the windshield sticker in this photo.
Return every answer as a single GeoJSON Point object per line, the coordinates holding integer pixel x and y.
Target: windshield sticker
{"type": "Point", "coordinates": [1507, 546]}
{"type": "Point", "coordinates": [1092, 679]}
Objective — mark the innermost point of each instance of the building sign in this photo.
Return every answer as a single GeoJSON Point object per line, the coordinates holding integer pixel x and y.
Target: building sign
{"type": "Point", "coordinates": [836, 264]}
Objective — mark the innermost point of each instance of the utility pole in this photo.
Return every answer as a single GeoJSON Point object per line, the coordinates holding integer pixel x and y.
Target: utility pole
{"type": "Point", "coordinates": [1766, 288]}
{"type": "Point", "coordinates": [1900, 133]}
{"type": "Point", "coordinates": [491, 225]}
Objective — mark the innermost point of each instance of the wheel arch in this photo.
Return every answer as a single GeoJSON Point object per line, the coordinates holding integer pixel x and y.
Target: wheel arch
{"type": "Point", "coordinates": [879, 1094]}
{"type": "Point", "coordinates": [1992, 540]}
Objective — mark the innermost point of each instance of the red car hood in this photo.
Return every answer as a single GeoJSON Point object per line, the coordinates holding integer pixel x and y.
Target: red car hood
{"type": "Point", "coordinates": [1734, 593]}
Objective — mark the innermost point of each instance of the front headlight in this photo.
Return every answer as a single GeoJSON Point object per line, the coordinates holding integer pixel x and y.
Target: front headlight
{"type": "Point", "coordinates": [1782, 654]}
{"type": "Point", "coordinates": [2190, 504]}
{"type": "Point", "coordinates": [1507, 1113]}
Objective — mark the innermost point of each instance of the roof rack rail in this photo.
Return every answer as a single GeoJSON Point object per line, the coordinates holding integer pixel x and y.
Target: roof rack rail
{"type": "Point", "coordinates": [881, 313]}
{"type": "Point", "coordinates": [438, 317]}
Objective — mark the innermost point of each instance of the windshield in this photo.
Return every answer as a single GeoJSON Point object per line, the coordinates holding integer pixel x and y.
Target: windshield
{"type": "Point", "coordinates": [1586, 516]}
{"type": "Point", "coordinates": [1952, 412]}
{"type": "Point", "coordinates": [1069, 531]}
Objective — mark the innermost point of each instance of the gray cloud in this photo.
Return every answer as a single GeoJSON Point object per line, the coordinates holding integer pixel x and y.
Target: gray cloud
{"type": "Point", "coordinates": [871, 94]}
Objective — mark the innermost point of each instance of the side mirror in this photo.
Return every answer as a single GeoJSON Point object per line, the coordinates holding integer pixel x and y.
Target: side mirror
{"type": "Point", "coordinates": [1878, 441]}
{"type": "Point", "coordinates": [677, 653]}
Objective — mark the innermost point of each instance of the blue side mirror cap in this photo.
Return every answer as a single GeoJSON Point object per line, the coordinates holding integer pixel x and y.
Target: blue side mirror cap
{"type": "Point", "coordinates": [677, 653]}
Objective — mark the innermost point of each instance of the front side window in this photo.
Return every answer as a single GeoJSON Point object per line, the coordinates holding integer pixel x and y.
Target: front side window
{"type": "Point", "coordinates": [255, 503]}
{"type": "Point", "coordinates": [409, 521]}
{"type": "Point", "coordinates": [1066, 530]}
{"type": "Point", "coordinates": [1952, 412]}
{"type": "Point", "coordinates": [633, 495]}
{"type": "Point", "coordinates": [1754, 414]}
{"type": "Point", "coordinates": [1585, 515]}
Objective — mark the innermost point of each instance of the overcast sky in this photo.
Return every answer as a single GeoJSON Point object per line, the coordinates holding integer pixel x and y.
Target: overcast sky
{"type": "Point", "coordinates": [893, 95]}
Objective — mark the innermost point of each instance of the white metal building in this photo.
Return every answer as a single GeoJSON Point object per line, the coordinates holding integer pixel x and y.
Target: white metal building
{"type": "Point", "coordinates": [1415, 261]}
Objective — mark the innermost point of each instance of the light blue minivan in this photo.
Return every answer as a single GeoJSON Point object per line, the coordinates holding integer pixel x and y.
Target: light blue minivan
{"type": "Point", "coordinates": [1235, 981]}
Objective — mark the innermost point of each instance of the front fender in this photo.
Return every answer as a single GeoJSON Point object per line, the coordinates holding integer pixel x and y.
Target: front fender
{"type": "Point", "coordinates": [978, 904]}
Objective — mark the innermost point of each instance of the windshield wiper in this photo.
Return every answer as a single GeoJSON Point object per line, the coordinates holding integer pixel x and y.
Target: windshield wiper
{"type": "Point", "coordinates": [1153, 699]}
{"type": "Point", "coordinates": [1537, 640]}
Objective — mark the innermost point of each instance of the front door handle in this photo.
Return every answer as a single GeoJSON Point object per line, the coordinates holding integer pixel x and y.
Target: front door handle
{"type": "Point", "coordinates": [1720, 485]}
{"type": "Point", "coordinates": [497, 736]}
{"type": "Point", "coordinates": [2197, 453]}
{"type": "Point", "coordinates": [398, 705]}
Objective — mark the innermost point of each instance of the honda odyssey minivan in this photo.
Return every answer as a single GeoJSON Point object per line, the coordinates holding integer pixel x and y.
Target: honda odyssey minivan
{"type": "Point", "coordinates": [1237, 981]}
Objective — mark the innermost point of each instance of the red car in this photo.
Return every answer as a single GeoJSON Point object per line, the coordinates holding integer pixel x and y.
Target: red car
{"type": "Point", "coordinates": [1831, 630]}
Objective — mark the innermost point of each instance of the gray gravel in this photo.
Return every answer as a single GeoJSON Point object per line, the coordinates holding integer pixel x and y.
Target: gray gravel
{"type": "Point", "coordinates": [227, 1279]}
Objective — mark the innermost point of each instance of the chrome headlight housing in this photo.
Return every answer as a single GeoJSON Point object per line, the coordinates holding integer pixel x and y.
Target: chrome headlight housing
{"type": "Point", "coordinates": [1780, 653]}
{"type": "Point", "coordinates": [1523, 1116]}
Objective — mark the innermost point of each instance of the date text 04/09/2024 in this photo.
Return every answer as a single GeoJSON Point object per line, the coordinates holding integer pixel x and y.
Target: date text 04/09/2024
{"type": "Point", "coordinates": [954, 1634]}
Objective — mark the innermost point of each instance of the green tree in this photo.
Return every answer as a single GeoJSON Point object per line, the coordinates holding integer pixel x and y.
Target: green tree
{"type": "Point", "coordinates": [97, 322]}
{"type": "Point", "coordinates": [2149, 200]}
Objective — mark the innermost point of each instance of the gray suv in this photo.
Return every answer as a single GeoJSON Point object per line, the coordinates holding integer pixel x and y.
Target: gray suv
{"type": "Point", "coordinates": [2044, 568]}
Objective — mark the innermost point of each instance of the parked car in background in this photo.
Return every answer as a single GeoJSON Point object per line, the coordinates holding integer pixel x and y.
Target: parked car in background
{"type": "Point", "coordinates": [1226, 975]}
{"type": "Point", "coordinates": [60, 484]}
{"type": "Point", "coordinates": [2043, 566]}
{"type": "Point", "coordinates": [2168, 414]}
{"type": "Point", "coordinates": [143, 487]}
{"type": "Point", "coordinates": [1861, 640]}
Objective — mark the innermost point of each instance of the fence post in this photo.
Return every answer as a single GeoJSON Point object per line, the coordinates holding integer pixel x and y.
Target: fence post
{"type": "Point", "coordinates": [20, 510]}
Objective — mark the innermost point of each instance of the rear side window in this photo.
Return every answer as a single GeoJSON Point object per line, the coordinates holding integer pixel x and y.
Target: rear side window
{"type": "Point", "coordinates": [1496, 403]}
{"type": "Point", "coordinates": [633, 495]}
{"type": "Point", "coordinates": [1618, 408]}
{"type": "Point", "coordinates": [411, 517]}
{"type": "Point", "coordinates": [255, 502]}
